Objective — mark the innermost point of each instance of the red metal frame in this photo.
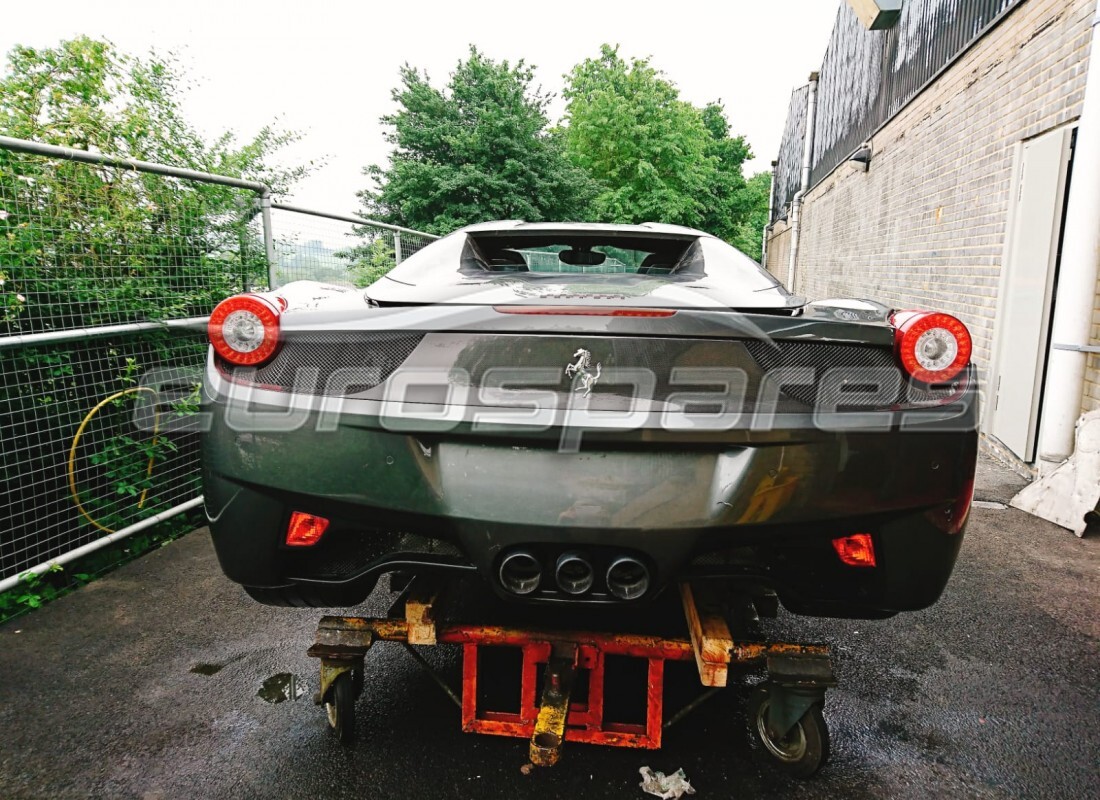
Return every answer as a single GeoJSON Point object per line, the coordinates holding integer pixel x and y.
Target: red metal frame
{"type": "Point", "coordinates": [585, 722]}
{"type": "Point", "coordinates": [343, 641]}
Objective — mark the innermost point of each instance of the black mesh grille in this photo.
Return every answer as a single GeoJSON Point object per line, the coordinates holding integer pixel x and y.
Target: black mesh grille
{"type": "Point", "coordinates": [844, 375]}
{"type": "Point", "coordinates": [340, 363]}
{"type": "Point", "coordinates": [836, 367]}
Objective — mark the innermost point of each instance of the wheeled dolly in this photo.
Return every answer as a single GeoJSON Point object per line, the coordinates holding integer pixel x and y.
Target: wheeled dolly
{"type": "Point", "coordinates": [784, 714]}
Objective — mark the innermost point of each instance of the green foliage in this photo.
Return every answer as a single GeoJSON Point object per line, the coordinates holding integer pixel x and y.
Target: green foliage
{"type": "Point", "coordinates": [655, 156]}
{"type": "Point", "coordinates": [119, 244]}
{"type": "Point", "coordinates": [369, 262]}
{"type": "Point", "coordinates": [86, 94]}
{"type": "Point", "coordinates": [628, 150]}
{"type": "Point", "coordinates": [477, 150]}
{"type": "Point", "coordinates": [748, 236]}
{"type": "Point", "coordinates": [33, 591]}
{"type": "Point", "coordinates": [728, 203]}
{"type": "Point", "coordinates": [82, 246]}
{"type": "Point", "coordinates": [647, 149]}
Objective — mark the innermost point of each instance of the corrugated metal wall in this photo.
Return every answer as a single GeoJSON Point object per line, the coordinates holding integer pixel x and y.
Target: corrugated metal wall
{"type": "Point", "coordinates": [868, 76]}
{"type": "Point", "coordinates": [789, 164]}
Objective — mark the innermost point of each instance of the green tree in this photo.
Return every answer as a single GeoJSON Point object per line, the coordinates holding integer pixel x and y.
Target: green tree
{"type": "Point", "coordinates": [119, 245]}
{"type": "Point", "coordinates": [727, 203]}
{"type": "Point", "coordinates": [478, 149]}
{"type": "Point", "coordinates": [649, 151]}
{"type": "Point", "coordinates": [749, 233]}
{"type": "Point", "coordinates": [87, 94]}
{"type": "Point", "coordinates": [369, 261]}
{"type": "Point", "coordinates": [657, 157]}
{"type": "Point", "coordinates": [738, 208]}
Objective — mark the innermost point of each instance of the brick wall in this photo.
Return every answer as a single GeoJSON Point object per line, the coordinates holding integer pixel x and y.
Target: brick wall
{"type": "Point", "coordinates": [925, 227]}
{"type": "Point", "coordinates": [779, 251]}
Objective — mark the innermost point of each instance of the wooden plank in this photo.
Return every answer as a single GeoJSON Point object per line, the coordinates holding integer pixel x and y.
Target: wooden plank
{"type": "Point", "coordinates": [710, 634]}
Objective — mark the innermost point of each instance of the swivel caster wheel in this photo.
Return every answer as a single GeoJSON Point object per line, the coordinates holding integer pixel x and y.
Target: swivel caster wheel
{"type": "Point", "coordinates": [803, 750]}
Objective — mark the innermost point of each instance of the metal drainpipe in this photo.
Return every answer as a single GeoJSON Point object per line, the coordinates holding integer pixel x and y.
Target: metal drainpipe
{"type": "Point", "coordinates": [768, 224]}
{"type": "Point", "coordinates": [807, 158]}
{"type": "Point", "coordinates": [1075, 301]}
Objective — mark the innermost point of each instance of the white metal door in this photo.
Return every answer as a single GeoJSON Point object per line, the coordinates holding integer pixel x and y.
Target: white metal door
{"type": "Point", "coordinates": [1027, 283]}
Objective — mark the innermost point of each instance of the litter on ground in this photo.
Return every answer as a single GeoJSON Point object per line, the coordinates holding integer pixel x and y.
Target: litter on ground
{"type": "Point", "coordinates": [667, 787]}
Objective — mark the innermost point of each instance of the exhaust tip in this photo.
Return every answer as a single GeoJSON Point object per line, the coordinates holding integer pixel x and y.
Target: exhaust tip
{"type": "Point", "coordinates": [520, 572]}
{"type": "Point", "coordinates": [574, 573]}
{"type": "Point", "coordinates": [627, 578]}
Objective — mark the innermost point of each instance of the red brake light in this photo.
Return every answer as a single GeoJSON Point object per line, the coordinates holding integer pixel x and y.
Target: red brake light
{"type": "Point", "coordinates": [305, 530]}
{"type": "Point", "coordinates": [244, 330]}
{"type": "Point", "coordinates": [932, 347]}
{"type": "Point", "coordinates": [585, 311]}
{"type": "Point", "coordinates": [856, 550]}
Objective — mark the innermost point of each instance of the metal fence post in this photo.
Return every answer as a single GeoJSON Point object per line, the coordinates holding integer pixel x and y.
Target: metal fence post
{"type": "Point", "coordinates": [396, 247]}
{"type": "Point", "coordinates": [269, 238]}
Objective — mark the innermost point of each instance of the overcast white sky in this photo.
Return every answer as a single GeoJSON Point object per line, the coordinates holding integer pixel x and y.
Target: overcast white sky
{"type": "Point", "coordinates": [326, 68]}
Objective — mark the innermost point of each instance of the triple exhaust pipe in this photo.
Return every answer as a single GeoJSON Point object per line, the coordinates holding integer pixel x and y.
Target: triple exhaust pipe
{"type": "Point", "coordinates": [626, 578]}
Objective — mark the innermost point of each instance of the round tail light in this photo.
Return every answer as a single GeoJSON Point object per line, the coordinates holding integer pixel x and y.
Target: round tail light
{"type": "Point", "coordinates": [932, 347]}
{"type": "Point", "coordinates": [244, 330]}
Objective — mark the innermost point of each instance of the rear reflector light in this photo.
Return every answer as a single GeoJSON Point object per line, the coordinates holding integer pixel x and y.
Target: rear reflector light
{"type": "Point", "coordinates": [933, 348]}
{"type": "Point", "coordinates": [856, 550]}
{"type": "Point", "coordinates": [305, 530]}
{"type": "Point", "coordinates": [244, 330]}
{"type": "Point", "coordinates": [585, 311]}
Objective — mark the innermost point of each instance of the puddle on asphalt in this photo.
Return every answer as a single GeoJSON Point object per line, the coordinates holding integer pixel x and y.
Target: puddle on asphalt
{"type": "Point", "coordinates": [281, 687]}
{"type": "Point", "coordinates": [207, 669]}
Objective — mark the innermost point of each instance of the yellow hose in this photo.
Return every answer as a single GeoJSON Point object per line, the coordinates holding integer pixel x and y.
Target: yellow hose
{"type": "Point", "coordinates": [76, 441]}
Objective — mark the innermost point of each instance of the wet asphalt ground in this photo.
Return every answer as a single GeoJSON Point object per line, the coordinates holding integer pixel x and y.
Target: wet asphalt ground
{"type": "Point", "coordinates": [147, 684]}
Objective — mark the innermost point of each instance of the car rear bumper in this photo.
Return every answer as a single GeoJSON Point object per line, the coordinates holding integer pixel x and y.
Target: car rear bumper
{"type": "Point", "coordinates": [759, 508]}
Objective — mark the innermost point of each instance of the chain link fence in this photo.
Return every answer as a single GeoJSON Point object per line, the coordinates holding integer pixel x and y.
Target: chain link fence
{"type": "Point", "coordinates": [108, 271]}
{"type": "Point", "coordinates": [337, 248]}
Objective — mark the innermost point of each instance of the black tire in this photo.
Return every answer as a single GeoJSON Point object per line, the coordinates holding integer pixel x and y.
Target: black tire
{"type": "Point", "coordinates": [340, 706]}
{"type": "Point", "coordinates": [803, 751]}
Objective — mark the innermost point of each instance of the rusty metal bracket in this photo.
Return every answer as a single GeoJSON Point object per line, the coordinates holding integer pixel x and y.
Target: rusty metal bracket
{"type": "Point", "coordinates": [549, 733]}
{"type": "Point", "coordinates": [420, 608]}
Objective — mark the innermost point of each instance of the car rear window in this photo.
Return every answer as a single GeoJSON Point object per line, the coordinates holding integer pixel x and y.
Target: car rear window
{"type": "Point", "coordinates": [573, 253]}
